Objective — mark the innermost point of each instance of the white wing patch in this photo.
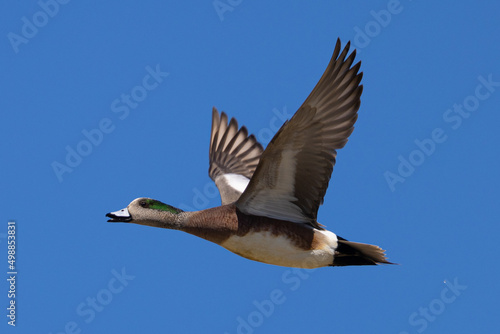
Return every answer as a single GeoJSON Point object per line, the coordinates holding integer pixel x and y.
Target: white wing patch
{"type": "Point", "coordinates": [236, 181]}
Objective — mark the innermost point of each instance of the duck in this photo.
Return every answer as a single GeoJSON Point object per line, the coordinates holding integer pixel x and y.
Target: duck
{"type": "Point", "coordinates": [270, 197]}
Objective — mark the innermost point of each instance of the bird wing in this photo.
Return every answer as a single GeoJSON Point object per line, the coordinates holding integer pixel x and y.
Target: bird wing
{"type": "Point", "coordinates": [233, 156]}
{"type": "Point", "coordinates": [294, 171]}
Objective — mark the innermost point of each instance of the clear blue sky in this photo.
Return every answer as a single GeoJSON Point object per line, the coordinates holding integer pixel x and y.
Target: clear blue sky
{"type": "Point", "coordinates": [129, 88]}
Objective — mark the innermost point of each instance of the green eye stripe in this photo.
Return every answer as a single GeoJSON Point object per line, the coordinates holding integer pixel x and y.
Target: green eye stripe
{"type": "Point", "coordinates": [157, 205]}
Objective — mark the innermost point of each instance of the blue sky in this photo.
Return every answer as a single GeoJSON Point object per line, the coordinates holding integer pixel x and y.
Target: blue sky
{"type": "Point", "coordinates": [104, 103]}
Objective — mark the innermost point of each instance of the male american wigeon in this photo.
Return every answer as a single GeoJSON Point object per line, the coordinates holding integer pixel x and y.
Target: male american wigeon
{"type": "Point", "coordinates": [270, 198]}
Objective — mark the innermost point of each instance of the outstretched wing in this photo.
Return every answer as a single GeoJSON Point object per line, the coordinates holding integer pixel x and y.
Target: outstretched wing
{"type": "Point", "coordinates": [294, 170]}
{"type": "Point", "coordinates": [233, 156]}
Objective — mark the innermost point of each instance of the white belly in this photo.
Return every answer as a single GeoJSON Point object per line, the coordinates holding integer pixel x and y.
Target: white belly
{"type": "Point", "coordinates": [279, 250]}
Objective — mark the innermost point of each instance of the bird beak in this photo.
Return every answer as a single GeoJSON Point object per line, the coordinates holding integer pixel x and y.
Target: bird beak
{"type": "Point", "coordinates": [119, 216]}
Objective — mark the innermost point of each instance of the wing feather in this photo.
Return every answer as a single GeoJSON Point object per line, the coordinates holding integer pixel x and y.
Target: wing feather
{"type": "Point", "coordinates": [233, 156]}
{"type": "Point", "coordinates": [292, 176]}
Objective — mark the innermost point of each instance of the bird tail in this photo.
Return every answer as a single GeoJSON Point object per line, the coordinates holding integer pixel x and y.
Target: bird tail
{"type": "Point", "coordinates": [350, 253]}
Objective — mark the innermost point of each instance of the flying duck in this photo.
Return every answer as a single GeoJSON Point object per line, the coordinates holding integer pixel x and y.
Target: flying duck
{"type": "Point", "coordinates": [270, 198]}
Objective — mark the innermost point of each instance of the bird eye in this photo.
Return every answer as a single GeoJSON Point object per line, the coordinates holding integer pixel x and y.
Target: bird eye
{"type": "Point", "coordinates": [142, 203]}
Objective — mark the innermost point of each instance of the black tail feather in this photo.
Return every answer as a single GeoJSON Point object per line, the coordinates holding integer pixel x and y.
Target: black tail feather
{"type": "Point", "coordinates": [350, 253]}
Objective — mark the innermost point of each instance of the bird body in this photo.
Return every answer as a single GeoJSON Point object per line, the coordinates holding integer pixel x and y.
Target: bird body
{"type": "Point", "coordinates": [265, 239]}
{"type": "Point", "coordinates": [270, 197]}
